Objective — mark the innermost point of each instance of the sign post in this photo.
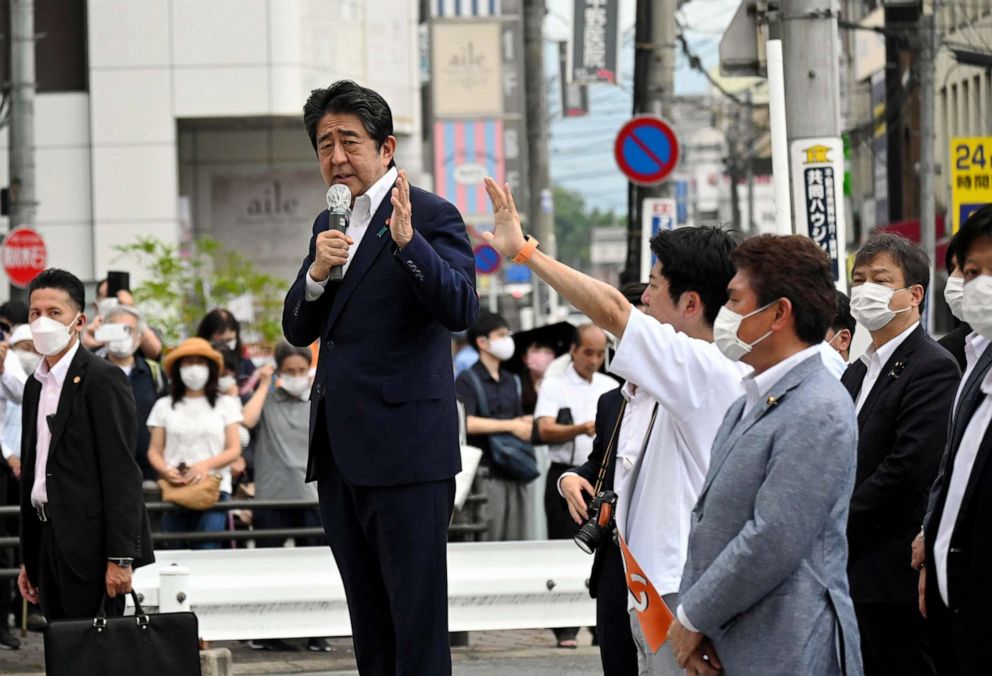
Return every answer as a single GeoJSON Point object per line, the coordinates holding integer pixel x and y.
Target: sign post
{"type": "Point", "coordinates": [24, 256]}
{"type": "Point", "coordinates": [657, 213]}
{"type": "Point", "coordinates": [971, 177]}
{"type": "Point", "coordinates": [646, 150]}
{"type": "Point", "coordinates": [817, 189]}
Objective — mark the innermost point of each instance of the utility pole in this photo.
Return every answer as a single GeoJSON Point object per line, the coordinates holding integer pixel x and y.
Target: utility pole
{"type": "Point", "coordinates": [22, 91]}
{"type": "Point", "coordinates": [749, 161]}
{"type": "Point", "coordinates": [928, 210]}
{"type": "Point", "coordinates": [811, 61]}
{"type": "Point", "coordinates": [540, 207]}
{"type": "Point", "coordinates": [654, 89]}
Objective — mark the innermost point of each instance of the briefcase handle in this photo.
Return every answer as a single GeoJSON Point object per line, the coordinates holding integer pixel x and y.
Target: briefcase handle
{"type": "Point", "coordinates": [100, 621]}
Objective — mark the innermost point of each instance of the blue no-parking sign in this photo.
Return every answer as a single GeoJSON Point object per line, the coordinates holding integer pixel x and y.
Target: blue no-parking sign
{"type": "Point", "coordinates": [487, 259]}
{"type": "Point", "coordinates": [646, 150]}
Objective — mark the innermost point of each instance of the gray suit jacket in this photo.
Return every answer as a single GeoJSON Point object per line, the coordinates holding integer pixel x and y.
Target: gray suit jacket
{"type": "Point", "coordinates": [766, 574]}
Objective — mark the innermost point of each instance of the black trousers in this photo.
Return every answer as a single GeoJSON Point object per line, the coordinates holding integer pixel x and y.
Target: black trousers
{"type": "Point", "coordinates": [64, 595]}
{"type": "Point", "coordinates": [616, 644]}
{"type": "Point", "coordinates": [894, 640]}
{"type": "Point", "coordinates": [9, 495]}
{"type": "Point", "coordinates": [390, 545]}
{"type": "Point", "coordinates": [560, 526]}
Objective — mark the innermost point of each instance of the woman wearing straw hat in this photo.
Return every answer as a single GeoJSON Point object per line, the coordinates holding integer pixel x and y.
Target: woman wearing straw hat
{"type": "Point", "coordinates": [194, 434]}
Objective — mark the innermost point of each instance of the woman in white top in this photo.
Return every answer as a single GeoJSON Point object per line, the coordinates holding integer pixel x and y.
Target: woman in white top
{"type": "Point", "coordinates": [194, 433]}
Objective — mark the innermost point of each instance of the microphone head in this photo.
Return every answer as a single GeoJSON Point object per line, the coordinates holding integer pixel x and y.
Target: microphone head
{"type": "Point", "coordinates": [338, 198]}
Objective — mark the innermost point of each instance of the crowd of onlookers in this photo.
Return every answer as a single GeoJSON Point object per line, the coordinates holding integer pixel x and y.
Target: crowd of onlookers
{"type": "Point", "coordinates": [206, 412]}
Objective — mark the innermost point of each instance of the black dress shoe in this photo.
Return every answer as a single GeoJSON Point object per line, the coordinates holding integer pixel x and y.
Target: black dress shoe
{"type": "Point", "coordinates": [7, 640]}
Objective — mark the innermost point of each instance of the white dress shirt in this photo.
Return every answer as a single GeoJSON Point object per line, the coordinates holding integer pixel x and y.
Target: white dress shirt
{"type": "Point", "coordinates": [574, 392]}
{"type": "Point", "coordinates": [365, 207]}
{"type": "Point", "coordinates": [964, 461]}
{"type": "Point", "coordinates": [756, 386]}
{"type": "Point", "coordinates": [694, 384]}
{"type": "Point", "coordinates": [48, 403]}
{"type": "Point", "coordinates": [875, 359]}
{"type": "Point", "coordinates": [974, 346]}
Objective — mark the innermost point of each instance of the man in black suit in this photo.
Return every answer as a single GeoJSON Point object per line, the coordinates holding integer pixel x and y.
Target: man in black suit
{"type": "Point", "coordinates": [954, 583]}
{"type": "Point", "coordinates": [383, 423]}
{"type": "Point", "coordinates": [83, 520]}
{"type": "Point", "coordinates": [903, 388]}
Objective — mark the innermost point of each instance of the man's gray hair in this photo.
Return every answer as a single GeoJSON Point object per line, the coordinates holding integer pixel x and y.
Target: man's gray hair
{"type": "Point", "coordinates": [121, 310]}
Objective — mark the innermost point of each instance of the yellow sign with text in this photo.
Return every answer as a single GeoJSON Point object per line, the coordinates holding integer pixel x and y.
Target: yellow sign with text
{"type": "Point", "coordinates": [971, 176]}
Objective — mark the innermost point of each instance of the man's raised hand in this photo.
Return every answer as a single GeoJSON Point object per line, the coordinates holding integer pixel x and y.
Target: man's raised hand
{"type": "Point", "coordinates": [507, 236]}
{"type": "Point", "coordinates": [401, 222]}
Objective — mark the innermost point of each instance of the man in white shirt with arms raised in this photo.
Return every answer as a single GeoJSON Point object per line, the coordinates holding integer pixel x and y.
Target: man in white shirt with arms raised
{"type": "Point", "coordinates": [669, 354]}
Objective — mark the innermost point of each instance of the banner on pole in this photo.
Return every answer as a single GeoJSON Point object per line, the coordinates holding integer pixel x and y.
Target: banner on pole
{"type": "Point", "coordinates": [817, 185]}
{"type": "Point", "coordinates": [596, 34]}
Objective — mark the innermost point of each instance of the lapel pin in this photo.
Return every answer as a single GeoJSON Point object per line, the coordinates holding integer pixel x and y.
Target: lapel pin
{"type": "Point", "coordinates": [772, 401]}
{"type": "Point", "coordinates": [76, 380]}
{"type": "Point", "coordinates": [897, 369]}
{"type": "Point", "coordinates": [382, 231]}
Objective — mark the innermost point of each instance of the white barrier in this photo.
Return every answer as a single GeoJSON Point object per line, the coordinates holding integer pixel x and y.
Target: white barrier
{"type": "Point", "coordinates": [297, 592]}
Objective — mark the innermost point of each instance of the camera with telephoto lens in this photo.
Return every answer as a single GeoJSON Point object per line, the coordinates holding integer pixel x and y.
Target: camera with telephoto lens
{"type": "Point", "coordinates": [598, 529]}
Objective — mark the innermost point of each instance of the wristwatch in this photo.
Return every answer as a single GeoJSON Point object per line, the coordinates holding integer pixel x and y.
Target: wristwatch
{"type": "Point", "coordinates": [123, 563]}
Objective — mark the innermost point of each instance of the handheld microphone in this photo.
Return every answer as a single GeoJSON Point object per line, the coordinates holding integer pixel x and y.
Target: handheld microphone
{"type": "Point", "coordinates": [338, 199]}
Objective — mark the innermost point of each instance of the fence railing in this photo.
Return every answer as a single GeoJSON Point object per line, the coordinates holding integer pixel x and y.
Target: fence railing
{"type": "Point", "coordinates": [467, 525]}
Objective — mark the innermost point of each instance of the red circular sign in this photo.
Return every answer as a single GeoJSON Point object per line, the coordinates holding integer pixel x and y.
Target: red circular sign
{"type": "Point", "coordinates": [646, 150]}
{"type": "Point", "coordinates": [24, 255]}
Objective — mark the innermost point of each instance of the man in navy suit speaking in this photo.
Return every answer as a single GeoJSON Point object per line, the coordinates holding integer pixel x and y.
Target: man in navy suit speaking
{"type": "Point", "coordinates": [383, 424]}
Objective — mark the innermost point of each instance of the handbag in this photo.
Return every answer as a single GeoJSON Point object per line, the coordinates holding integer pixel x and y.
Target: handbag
{"type": "Point", "coordinates": [513, 457]}
{"type": "Point", "coordinates": [164, 644]}
{"type": "Point", "coordinates": [198, 496]}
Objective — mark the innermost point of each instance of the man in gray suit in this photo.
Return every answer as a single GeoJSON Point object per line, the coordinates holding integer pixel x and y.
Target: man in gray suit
{"type": "Point", "coordinates": [766, 576]}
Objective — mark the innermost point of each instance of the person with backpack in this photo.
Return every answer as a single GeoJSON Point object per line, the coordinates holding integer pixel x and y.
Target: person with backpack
{"type": "Point", "coordinates": [495, 422]}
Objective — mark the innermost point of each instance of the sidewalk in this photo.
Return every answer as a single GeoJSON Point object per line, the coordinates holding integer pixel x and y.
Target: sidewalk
{"type": "Point", "coordinates": [483, 646]}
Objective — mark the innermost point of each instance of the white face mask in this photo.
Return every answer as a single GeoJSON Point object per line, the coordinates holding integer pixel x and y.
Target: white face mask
{"type": "Point", "coordinates": [954, 294]}
{"type": "Point", "coordinates": [296, 386]}
{"type": "Point", "coordinates": [232, 344]}
{"type": "Point", "coordinates": [224, 383]}
{"type": "Point", "coordinates": [725, 329]}
{"type": "Point", "coordinates": [976, 305]}
{"type": "Point", "coordinates": [502, 348]}
{"type": "Point", "coordinates": [50, 336]}
{"type": "Point", "coordinates": [870, 305]}
{"type": "Point", "coordinates": [124, 347]}
{"type": "Point", "coordinates": [29, 360]}
{"type": "Point", "coordinates": [194, 376]}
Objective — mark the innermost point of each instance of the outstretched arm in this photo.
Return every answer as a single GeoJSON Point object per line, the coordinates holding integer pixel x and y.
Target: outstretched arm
{"type": "Point", "coordinates": [603, 304]}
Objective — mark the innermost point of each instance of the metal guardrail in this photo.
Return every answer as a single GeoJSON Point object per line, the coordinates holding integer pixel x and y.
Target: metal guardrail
{"type": "Point", "coordinates": [250, 593]}
{"type": "Point", "coordinates": [467, 524]}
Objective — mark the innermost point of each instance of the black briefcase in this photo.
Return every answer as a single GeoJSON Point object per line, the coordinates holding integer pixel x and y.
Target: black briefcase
{"type": "Point", "coordinates": [164, 644]}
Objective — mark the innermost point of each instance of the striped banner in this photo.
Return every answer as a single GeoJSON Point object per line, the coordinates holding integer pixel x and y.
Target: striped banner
{"type": "Point", "coordinates": [453, 9]}
{"type": "Point", "coordinates": [465, 152]}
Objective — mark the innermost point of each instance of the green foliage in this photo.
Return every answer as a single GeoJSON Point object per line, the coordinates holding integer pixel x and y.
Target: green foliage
{"type": "Point", "coordinates": [181, 289]}
{"type": "Point", "coordinates": [573, 227]}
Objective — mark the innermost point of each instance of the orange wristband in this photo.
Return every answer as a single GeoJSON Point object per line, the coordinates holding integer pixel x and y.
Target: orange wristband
{"type": "Point", "coordinates": [526, 251]}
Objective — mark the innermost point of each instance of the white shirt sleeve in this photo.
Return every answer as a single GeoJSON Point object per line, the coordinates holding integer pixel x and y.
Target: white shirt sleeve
{"type": "Point", "coordinates": [548, 398]}
{"type": "Point", "coordinates": [314, 288]}
{"type": "Point", "coordinates": [230, 408]}
{"type": "Point", "coordinates": [13, 378]}
{"type": "Point", "coordinates": [684, 619]}
{"type": "Point", "coordinates": [676, 370]}
{"type": "Point", "coordinates": [159, 412]}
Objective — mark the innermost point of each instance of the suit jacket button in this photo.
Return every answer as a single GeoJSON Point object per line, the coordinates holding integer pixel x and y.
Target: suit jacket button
{"type": "Point", "coordinates": [330, 344]}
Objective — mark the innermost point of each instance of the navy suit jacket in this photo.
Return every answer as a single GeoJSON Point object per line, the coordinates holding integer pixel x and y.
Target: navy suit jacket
{"type": "Point", "coordinates": [902, 431]}
{"type": "Point", "coordinates": [384, 376]}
